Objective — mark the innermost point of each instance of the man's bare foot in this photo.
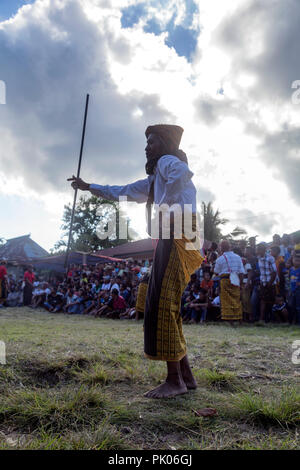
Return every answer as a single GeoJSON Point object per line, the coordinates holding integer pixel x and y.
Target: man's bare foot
{"type": "Point", "coordinates": [191, 383]}
{"type": "Point", "coordinates": [167, 390]}
{"type": "Point", "coordinates": [187, 374]}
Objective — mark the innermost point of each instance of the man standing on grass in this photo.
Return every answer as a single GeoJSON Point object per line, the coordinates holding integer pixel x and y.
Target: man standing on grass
{"type": "Point", "coordinates": [268, 274]}
{"type": "Point", "coordinates": [227, 264]}
{"type": "Point", "coordinates": [168, 182]}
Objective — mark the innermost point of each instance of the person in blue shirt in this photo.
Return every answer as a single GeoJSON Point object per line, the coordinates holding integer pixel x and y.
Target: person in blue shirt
{"type": "Point", "coordinates": [294, 295]}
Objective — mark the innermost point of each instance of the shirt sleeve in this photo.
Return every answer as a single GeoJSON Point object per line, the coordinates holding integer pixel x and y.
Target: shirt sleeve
{"type": "Point", "coordinates": [242, 269]}
{"type": "Point", "coordinates": [176, 174]}
{"type": "Point", "coordinates": [272, 264]}
{"type": "Point", "coordinates": [135, 192]}
{"type": "Point", "coordinates": [217, 267]}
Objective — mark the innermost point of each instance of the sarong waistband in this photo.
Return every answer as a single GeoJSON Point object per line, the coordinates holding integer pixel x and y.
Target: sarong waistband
{"type": "Point", "coordinates": [225, 276]}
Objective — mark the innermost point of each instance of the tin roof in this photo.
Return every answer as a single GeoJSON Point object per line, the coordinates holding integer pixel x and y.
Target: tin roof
{"type": "Point", "coordinates": [21, 249]}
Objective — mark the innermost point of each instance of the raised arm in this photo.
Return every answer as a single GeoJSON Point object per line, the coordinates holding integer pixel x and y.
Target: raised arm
{"type": "Point", "coordinates": [135, 192]}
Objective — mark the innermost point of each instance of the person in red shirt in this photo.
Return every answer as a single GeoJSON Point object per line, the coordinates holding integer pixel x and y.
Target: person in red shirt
{"type": "Point", "coordinates": [3, 282]}
{"type": "Point", "coordinates": [29, 278]}
{"type": "Point", "coordinates": [207, 284]}
{"type": "Point", "coordinates": [117, 304]}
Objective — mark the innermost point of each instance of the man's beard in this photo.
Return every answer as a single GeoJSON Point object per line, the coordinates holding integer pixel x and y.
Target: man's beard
{"type": "Point", "coordinates": [151, 162]}
{"type": "Point", "coordinates": [150, 165]}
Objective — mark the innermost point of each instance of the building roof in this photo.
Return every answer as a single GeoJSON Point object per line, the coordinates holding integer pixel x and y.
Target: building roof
{"type": "Point", "coordinates": [57, 262]}
{"type": "Point", "coordinates": [139, 249]}
{"type": "Point", "coordinates": [21, 249]}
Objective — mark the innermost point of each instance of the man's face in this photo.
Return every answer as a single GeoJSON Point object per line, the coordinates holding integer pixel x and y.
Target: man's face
{"type": "Point", "coordinates": [261, 250]}
{"type": "Point", "coordinates": [285, 240]}
{"type": "Point", "coordinates": [153, 146]}
{"type": "Point", "coordinates": [276, 239]}
{"type": "Point", "coordinates": [248, 251]}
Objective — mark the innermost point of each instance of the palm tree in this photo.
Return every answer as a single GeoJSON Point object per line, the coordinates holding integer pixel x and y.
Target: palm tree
{"type": "Point", "coordinates": [212, 222]}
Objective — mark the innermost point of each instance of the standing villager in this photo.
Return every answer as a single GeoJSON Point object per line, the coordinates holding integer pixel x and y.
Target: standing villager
{"type": "Point", "coordinates": [268, 274]}
{"type": "Point", "coordinates": [169, 182]}
{"type": "Point", "coordinates": [3, 282]}
{"type": "Point", "coordinates": [29, 278]}
{"type": "Point", "coordinates": [230, 265]}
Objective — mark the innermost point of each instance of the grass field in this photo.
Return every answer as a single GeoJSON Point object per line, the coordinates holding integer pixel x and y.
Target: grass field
{"type": "Point", "coordinates": [73, 382]}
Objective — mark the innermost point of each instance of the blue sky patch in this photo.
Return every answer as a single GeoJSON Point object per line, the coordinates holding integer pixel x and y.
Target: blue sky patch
{"type": "Point", "coordinates": [183, 40]}
{"type": "Point", "coordinates": [181, 36]}
{"type": "Point", "coordinates": [153, 26]}
{"type": "Point", "coordinates": [9, 8]}
{"type": "Point", "coordinates": [132, 14]}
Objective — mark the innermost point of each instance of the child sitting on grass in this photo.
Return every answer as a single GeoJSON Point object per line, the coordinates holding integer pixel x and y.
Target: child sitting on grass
{"type": "Point", "coordinates": [199, 307]}
{"type": "Point", "coordinates": [279, 309]}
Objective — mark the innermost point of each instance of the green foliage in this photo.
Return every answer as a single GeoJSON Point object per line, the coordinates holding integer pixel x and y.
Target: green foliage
{"type": "Point", "coordinates": [212, 222]}
{"type": "Point", "coordinates": [89, 213]}
{"type": "Point", "coordinates": [282, 411]}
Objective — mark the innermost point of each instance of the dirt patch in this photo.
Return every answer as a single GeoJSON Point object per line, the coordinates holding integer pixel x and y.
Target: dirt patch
{"type": "Point", "coordinates": [42, 374]}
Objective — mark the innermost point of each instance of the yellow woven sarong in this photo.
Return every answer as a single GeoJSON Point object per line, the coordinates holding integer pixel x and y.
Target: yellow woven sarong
{"type": "Point", "coordinates": [164, 339]}
{"type": "Point", "coordinates": [141, 297]}
{"type": "Point", "coordinates": [231, 307]}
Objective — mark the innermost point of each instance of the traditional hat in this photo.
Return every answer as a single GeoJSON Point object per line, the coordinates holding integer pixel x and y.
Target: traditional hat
{"type": "Point", "coordinates": [171, 134]}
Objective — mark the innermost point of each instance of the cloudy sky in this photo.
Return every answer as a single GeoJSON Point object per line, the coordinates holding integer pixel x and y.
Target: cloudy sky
{"type": "Point", "coordinates": [222, 70]}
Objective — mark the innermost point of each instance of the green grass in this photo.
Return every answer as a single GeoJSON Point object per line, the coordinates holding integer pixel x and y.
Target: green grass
{"type": "Point", "coordinates": [73, 382]}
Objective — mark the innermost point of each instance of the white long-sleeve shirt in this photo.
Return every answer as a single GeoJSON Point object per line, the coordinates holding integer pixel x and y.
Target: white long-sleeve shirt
{"type": "Point", "coordinates": [172, 185]}
{"type": "Point", "coordinates": [233, 264]}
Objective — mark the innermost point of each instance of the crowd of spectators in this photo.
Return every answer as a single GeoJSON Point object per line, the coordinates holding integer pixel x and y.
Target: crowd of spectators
{"type": "Point", "coordinates": [270, 286]}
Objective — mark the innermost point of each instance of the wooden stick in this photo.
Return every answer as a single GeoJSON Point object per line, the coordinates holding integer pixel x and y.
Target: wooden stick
{"type": "Point", "coordinates": [78, 175]}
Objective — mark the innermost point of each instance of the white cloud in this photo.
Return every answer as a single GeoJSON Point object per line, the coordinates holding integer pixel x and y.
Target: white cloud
{"type": "Point", "coordinates": [54, 52]}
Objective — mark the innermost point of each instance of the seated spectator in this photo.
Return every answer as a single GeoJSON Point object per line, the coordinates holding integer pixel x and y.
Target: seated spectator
{"type": "Point", "coordinates": [216, 302]}
{"type": "Point", "coordinates": [113, 307]}
{"type": "Point", "coordinates": [207, 284]}
{"type": "Point", "coordinates": [117, 305]}
{"type": "Point", "coordinates": [279, 309]}
{"type": "Point", "coordinates": [76, 305]}
{"type": "Point", "coordinates": [13, 297]}
{"type": "Point", "coordinates": [40, 295]}
{"type": "Point", "coordinates": [125, 293]}
{"type": "Point", "coordinates": [116, 284]}
{"type": "Point", "coordinates": [199, 307]}
{"type": "Point", "coordinates": [186, 311]}
{"type": "Point", "coordinates": [106, 286]}
{"type": "Point", "coordinates": [55, 301]}
{"type": "Point", "coordinates": [129, 314]}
